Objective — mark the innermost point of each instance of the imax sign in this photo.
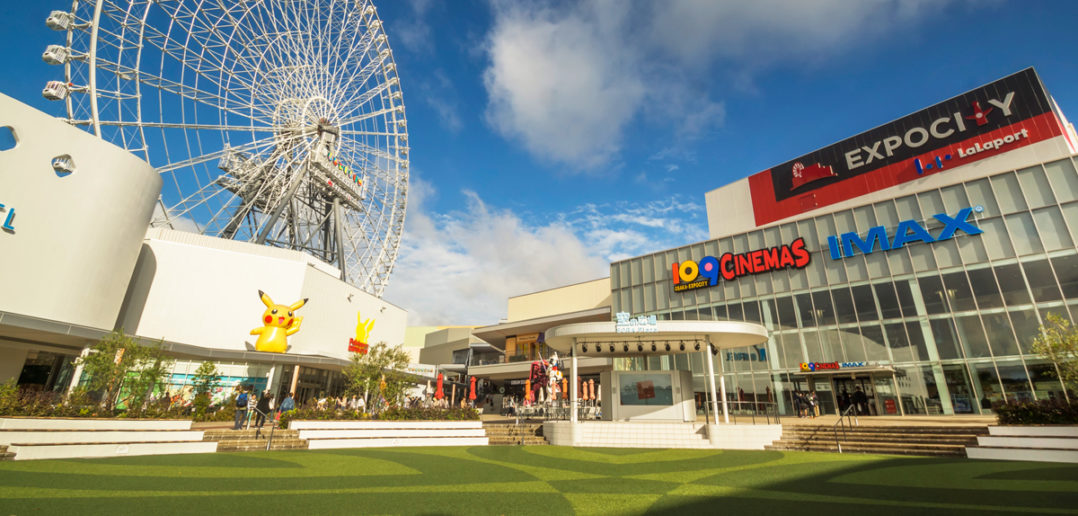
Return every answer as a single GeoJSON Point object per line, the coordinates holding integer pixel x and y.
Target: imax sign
{"type": "Point", "coordinates": [908, 231]}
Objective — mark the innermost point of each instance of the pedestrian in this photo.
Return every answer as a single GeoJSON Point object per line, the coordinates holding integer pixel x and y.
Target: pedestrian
{"type": "Point", "coordinates": [797, 404]}
{"type": "Point", "coordinates": [289, 403]}
{"type": "Point", "coordinates": [241, 408]}
{"type": "Point", "coordinates": [361, 404]}
{"type": "Point", "coordinates": [262, 409]}
{"type": "Point", "coordinates": [860, 401]}
{"type": "Point", "coordinates": [814, 404]}
{"type": "Point", "coordinates": [252, 403]}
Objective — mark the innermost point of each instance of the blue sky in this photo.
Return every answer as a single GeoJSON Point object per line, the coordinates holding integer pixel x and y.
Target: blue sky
{"type": "Point", "coordinates": [551, 138]}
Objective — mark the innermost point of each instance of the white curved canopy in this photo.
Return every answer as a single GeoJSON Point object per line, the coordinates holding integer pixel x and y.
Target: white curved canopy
{"type": "Point", "coordinates": [667, 337]}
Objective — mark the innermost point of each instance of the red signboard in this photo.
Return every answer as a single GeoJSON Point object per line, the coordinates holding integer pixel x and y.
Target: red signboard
{"type": "Point", "coordinates": [1008, 114]}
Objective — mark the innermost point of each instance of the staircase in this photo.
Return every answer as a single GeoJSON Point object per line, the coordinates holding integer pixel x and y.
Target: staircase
{"type": "Point", "coordinates": [245, 440]}
{"type": "Point", "coordinates": [515, 434]}
{"type": "Point", "coordinates": [1029, 443]}
{"type": "Point", "coordinates": [936, 440]}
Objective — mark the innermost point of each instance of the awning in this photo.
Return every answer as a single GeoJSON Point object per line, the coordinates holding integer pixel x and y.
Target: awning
{"type": "Point", "coordinates": [609, 339]}
{"type": "Point", "coordinates": [496, 334]}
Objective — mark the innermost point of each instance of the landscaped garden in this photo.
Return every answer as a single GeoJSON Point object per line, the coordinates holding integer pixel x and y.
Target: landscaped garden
{"type": "Point", "coordinates": [535, 480]}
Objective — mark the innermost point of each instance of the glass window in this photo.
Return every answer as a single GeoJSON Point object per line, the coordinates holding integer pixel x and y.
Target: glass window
{"type": "Point", "coordinates": [1015, 381]}
{"type": "Point", "coordinates": [1070, 213]}
{"type": "Point", "coordinates": [752, 311]}
{"type": "Point", "coordinates": [1008, 193]}
{"type": "Point", "coordinates": [931, 204]}
{"type": "Point", "coordinates": [836, 269]}
{"type": "Point", "coordinates": [919, 392]}
{"type": "Point", "coordinates": [785, 306]}
{"type": "Point", "coordinates": [947, 253]}
{"type": "Point", "coordinates": [812, 345]}
{"type": "Point", "coordinates": [885, 293]}
{"type": "Point", "coordinates": [963, 398]}
{"type": "Point", "coordinates": [1041, 281]}
{"type": "Point", "coordinates": [985, 290]}
{"type": "Point", "coordinates": [1063, 178]}
{"type": "Point", "coordinates": [905, 298]}
{"type": "Point", "coordinates": [720, 313]}
{"type": "Point", "coordinates": [1067, 271]}
{"type": "Point", "coordinates": [1053, 230]}
{"type": "Point", "coordinates": [662, 296]}
{"type": "Point", "coordinates": [996, 241]}
{"type": "Point", "coordinates": [634, 268]}
{"type": "Point", "coordinates": [900, 346]}
{"type": "Point", "coordinates": [1012, 285]}
{"type": "Point", "coordinates": [831, 345]}
{"type": "Point", "coordinates": [791, 350]}
{"type": "Point", "coordinates": [649, 297]}
{"type": "Point", "coordinates": [844, 310]}
{"type": "Point", "coordinates": [1024, 234]}
{"type": "Point", "coordinates": [908, 208]}
{"type": "Point", "coordinates": [853, 346]}
{"type": "Point", "coordinates": [877, 265]}
{"type": "Point", "coordinates": [1026, 328]}
{"type": "Point", "coordinates": [921, 256]}
{"type": "Point", "coordinates": [958, 291]}
{"type": "Point", "coordinates": [649, 269]}
{"type": "Point", "coordinates": [972, 249]}
{"type": "Point", "coordinates": [899, 261]}
{"type": "Point", "coordinates": [1000, 337]}
{"type": "Point", "coordinates": [972, 335]}
{"type": "Point", "coordinates": [1046, 384]}
{"type": "Point", "coordinates": [865, 303]}
{"type": "Point", "coordinates": [933, 294]}
{"type": "Point", "coordinates": [875, 349]}
{"type": "Point", "coordinates": [804, 308]}
{"type": "Point", "coordinates": [917, 341]}
{"type": "Point", "coordinates": [825, 314]}
{"type": "Point", "coordinates": [954, 198]}
{"type": "Point", "coordinates": [856, 270]}
{"type": "Point", "coordinates": [735, 313]}
{"type": "Point", "coordinates": [980, 193]}
{"type": "Point", "coordinates": [988, 382]}
{"type": "Point", "coordinates": [1035, 186]}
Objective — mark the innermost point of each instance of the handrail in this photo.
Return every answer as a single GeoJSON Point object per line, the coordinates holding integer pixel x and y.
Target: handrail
{"type": "Point", "coordinates": [273, 426]}
{"type": "Point", "coordinates": [841, 424]}
{"type": "Point", "coordinates": [768, 409]}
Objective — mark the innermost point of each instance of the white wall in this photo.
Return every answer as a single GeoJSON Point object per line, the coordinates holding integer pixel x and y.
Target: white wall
{"type": "Point", "coordinates": [76, 237]}
{"type": "Point", "coordinates": [11, 361]}
{"type": "Point", "coordinates": [207, 296]}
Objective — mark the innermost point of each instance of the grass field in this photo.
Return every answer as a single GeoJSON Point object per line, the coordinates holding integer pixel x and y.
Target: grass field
{"type": "Point", "coordinates": [535, 480]}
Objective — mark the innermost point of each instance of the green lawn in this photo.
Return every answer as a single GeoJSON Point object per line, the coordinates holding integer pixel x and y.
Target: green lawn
{"type": "Point", "coordinates": [535, 480]}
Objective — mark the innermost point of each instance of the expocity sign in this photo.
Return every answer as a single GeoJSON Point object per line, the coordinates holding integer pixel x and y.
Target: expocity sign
{"type": "Point", "coordinates": [908, 231]}
{"type": "Point", "coordinates": [1007, 114]}
{"type": "Point", "coordinates": [691, 275]}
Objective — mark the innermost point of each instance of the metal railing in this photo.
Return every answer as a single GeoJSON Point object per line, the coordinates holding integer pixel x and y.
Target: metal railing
{"type": "Point", "coordinates": [848, 417]}
{"type": "Point", "coordinates": [273, 426]}
{"type": "Point", "coordinates": [768, 411]}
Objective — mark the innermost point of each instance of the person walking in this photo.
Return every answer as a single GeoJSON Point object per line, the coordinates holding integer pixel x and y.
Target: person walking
{"type": "Point", "coordinates": [289, 403]}
{"type": "Point", "coordinates": [262, 409]}
{"type": "Point", "coordinates": [860, 401]}
{"type": "Point", "coordinates": [241, 409]}
{"type": "Point", "coordinates": [798, 404]}
{"type": "Point", "coordinates": [252, 403]}
{"type": "Point", "coordinates": [814, 405]}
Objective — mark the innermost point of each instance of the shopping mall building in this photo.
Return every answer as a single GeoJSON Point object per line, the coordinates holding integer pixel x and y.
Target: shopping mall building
{"type": "Point", "coordinates": [914, 261]}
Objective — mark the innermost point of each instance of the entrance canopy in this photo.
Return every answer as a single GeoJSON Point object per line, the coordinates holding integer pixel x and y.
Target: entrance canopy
{"type": "Point", "coordinates": [618, 339]}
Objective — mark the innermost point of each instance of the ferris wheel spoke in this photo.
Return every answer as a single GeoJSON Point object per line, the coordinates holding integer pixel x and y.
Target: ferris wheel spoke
{"type": "Point", "coordinates": [216, 155]}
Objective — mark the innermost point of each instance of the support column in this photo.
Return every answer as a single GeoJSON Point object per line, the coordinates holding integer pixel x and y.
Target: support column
{"type": "Point", "coordinates": [711, 381]}
{"type": "Point", "coordinates": [77, 375]}
{"type": "Point", "coordinates": [295, 380]}
{"type": "Point", "coordinates": [574, 421]}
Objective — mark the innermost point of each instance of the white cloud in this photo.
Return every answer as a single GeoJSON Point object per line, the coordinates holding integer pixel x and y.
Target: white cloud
{"type": "Point", "coordinates": [568, 82]}
{"type": "Point", "coordinates": [461, 267]}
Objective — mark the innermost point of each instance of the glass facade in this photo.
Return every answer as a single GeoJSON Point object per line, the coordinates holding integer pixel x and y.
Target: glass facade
{"type": "Point", "coordinates": [943, 327]}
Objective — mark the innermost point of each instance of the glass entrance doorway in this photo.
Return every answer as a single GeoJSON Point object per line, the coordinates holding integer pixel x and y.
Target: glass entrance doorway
{"type": "Point", "coordinates": [872, 395]}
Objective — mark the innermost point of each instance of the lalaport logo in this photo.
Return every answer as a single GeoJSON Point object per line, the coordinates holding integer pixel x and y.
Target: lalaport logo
{"type": "Point", "coordinates": [690, 275]}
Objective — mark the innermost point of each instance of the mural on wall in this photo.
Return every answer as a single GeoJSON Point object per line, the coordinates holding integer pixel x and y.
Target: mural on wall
{"type": "Point", "coordinates": [363, 334]}
{"type": "Point", "coordinates": [279, 321]}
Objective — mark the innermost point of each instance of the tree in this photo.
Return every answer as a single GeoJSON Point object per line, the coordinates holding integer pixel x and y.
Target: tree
{"type": "Point", "coordinates": [118, 362]}
{"type": "Point", "coordinates": [381, 363]}
{"type": "Point", "coordinates": [205, 380]}
{"type": "Point", "coordinates": [1058, 343]}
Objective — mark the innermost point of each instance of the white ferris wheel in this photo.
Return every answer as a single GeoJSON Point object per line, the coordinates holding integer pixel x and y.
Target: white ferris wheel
{"type": "Point", "coordinates": [279, 122]}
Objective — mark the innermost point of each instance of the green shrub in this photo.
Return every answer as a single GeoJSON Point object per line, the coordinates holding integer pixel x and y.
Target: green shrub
{"type": "Point", "coordinates": [1043, 412]}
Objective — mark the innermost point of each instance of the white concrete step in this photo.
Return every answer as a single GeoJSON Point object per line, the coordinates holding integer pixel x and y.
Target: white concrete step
{"type": "Point", "coordinates": [374, 425]}
{"type": "Point", "coordinates": [391, 432]}
{"type": "Point", "coordinates": [1035, 455]}
{"type": "Point", "coordinates": [78, 451]}
{"type": "Point", "coordinates": [1056, 443]}
{"type": "Point", "coordinates": [76, 423]}
{"type": "Point", "coordinates": [96, 436]}
{"type": "Point", "coordinates": [1034, 431]}
{"type": "Point", "coordinates": [389, 442]}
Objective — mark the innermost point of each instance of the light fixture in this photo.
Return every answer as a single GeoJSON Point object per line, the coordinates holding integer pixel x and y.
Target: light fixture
{"type": "Point", "coordinates": [625, 348]}
{"type": "Point", "coordinates": [682, 346]}
{"type": "Point", "coordinates": [668, 346]}
{"type": "Point", "coordinates": [653, 347]}
{"type": "Point", "coordinates": [611, 348]}
{"type": "Point", "coordinates": [640, 347]}
{"type": "Point", "coordinates": [697, 346]}
{"type": "Point", "coordinates": [584, 348]}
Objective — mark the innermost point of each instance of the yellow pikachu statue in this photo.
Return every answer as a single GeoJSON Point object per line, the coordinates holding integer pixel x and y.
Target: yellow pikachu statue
{"type": "Point", "coordinates": [363, 334]}
{"type": "Point", "coordinates": [280, 322]}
